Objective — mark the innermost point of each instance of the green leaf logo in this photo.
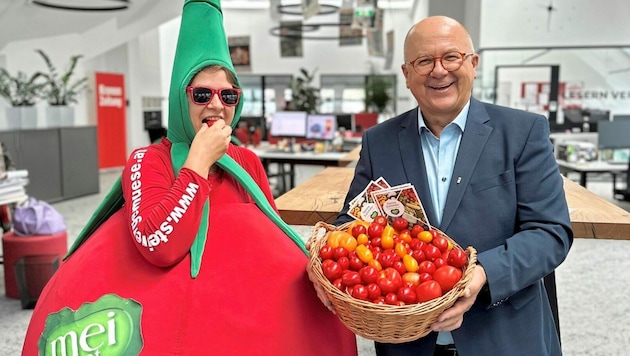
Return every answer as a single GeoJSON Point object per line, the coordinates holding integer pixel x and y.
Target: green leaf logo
{"type": "Point", "coordinates": [109, 326]}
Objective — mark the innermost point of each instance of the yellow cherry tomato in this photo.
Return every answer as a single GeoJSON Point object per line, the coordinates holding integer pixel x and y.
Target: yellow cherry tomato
{"type": "Point", "coordinates": [405, 235]}
{"type": "Point", "coordinates": [364, 254]}
{"type": "Point", "coordinates": [400, 249]}
{"type": "Point", "coordinates": [374, 263]}
{"type": "Point", "coordinates": [425, 236]}
{"type": "Point", "coordinates": [348, 242]}
{"type": "Point", "coordinates": [335, 236]}
{"type": "Point", "coordinates": [410, 263]}
{"type": "Point", "coordinates": [363, 239]}
{"type": "Point", "coordinates": [387, 237]}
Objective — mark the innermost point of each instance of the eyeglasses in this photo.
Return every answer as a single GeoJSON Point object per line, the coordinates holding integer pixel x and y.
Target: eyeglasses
{"type": "Point", "coordinates": [203, 95]}
{"type": "Point", "coordinates": [451, 61]}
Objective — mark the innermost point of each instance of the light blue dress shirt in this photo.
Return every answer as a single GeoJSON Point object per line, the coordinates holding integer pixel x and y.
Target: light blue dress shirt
{"type": "Point", "coordinates": [439, 157]}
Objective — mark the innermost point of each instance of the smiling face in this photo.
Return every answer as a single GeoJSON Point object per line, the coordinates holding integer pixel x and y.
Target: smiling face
{"type": "Point", "coordinates": [215, 78]}
{"type": "Point", "coordinates": [441, 94]}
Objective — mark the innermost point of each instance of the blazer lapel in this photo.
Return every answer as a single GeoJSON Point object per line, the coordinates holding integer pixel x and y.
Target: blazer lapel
{"type": "Point", "coordinates": [413, 162]}
{"type": "Point", "coordinates": [473, 141]}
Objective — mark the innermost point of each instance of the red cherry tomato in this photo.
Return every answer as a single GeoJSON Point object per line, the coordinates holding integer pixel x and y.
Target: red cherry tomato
{"type": "Point", "coordinates": [380, 220]}
{"type": "Point", "coordinates": [440, 242]}
{"type": "Point", "coordinates": [358, 230]}
{"type": "Point", "coordinates": [359, 291]}
{"type": "Point", "coordinates": [332, 270]}
{"type": "Point", "coordinates": [391, 299]}
{"type": "Point", "coordinates": [350, 278]}
{"type": "Point", "coordinates": [344, 263]}
{"type": "Point", "coordinates": [415, 230]}
{"type": "Point", "coordinates": [339, 252]}
{"type": "Point", "coordinates": [399, 265]}
{"type": "Point", "coordinates": [447, 277]}
{"type": "Point", "coordinates": [427, 291]}
{"type": "Point", "coordinates": [425, 277]}
{"type": "Point", "coordinates": [338, 284]}
{"type": "Point", "coordinates": [426, 267]}
{"type": "Point", "coordinates": [439, 262]}
{"type": "Point", "coordinates": [355, 262]}
{"type": "Point", "coordinates": [400, 224]}
{"type": "Point", "coordinates": [406, 294]}
{"type": "Point", "coordinates": [374, 291]}
{"type": "Point", "coordinates": [368, 275]}
{"type": "Point", "coordinates": [431, 252]}
{"type": "Point", "coordinates": [457, 258]}
{"type": "Point", "coordinates": [418, 255]}
{"type": "Point", "coordinates": [389, 280]}
{"type": "Point", "coordinates": [375, 230]}
{"type": "Point", "coordinates": [326, 252]}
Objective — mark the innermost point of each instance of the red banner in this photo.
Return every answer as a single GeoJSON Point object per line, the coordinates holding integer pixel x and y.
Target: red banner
{"type": "Point", "coordinates": [111, 119]}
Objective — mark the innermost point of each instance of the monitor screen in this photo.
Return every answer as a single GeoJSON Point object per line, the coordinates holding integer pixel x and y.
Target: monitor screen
{"type": "Point", "coordinates": [346, 121]}
{"type": "Point", "coordinates": [613, 134]}
{"type": "Point", "coordinates": [321, 126]}
{"type": "Point", "coordinates": [288, 124]}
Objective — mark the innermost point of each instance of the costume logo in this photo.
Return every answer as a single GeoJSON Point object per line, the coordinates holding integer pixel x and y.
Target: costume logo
{"type": "Point", "coordinates": [109, 326]}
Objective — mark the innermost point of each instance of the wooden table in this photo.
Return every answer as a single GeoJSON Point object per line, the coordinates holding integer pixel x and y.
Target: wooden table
{"type": "Point", "coordinates": [321, 197]}
{"type": "Point", "coordinates": [327, 159]}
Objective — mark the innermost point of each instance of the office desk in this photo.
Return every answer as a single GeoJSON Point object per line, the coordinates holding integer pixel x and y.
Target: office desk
{"type": "Point", "coordinates": [592, 167]}
{"type": "Point", "coordinates": [321, 197]}
{"type": "Point", "coordinates": [326, 159]}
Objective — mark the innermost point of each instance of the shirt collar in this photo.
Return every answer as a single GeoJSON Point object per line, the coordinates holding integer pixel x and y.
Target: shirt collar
{"type": "Point", "coordinates": [460, 119]}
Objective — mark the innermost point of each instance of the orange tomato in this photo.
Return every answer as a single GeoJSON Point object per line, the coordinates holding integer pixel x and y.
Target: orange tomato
{"type": "Point", "coordinates": [425, 236]}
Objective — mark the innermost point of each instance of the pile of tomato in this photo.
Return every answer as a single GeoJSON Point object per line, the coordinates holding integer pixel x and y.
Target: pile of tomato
{"type": "Point", "coordinates": [391, 263]}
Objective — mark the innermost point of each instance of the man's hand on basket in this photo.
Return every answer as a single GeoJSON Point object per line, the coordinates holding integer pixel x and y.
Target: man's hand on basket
{"type": "Point", "coordinates": [453, 317]}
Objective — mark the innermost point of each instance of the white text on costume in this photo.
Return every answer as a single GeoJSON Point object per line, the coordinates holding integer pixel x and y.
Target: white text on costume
{"type": "Point", "coordinates": [166, 228]}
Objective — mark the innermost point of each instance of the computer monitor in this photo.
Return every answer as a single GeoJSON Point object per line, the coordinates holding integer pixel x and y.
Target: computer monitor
{"type": "Point", "coordinates": [288, 124]}
{"type": "Point", "coordinates": [613, 134]}
{"type": "Point", "coordinates": [346, 121]}
{"type": "Point", "coordinates": [321, 126]}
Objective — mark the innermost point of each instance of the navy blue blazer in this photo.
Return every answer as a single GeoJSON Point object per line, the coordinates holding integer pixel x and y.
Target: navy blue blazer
{"type": "Point", "coordinates": [509, 204]}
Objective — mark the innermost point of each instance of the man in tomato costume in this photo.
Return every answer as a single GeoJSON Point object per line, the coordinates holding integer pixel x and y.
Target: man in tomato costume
{"type": "Point", "coordinates": [187, 255]}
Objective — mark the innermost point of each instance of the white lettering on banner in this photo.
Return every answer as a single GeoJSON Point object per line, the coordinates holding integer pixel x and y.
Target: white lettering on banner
{"type": "Point", "coordinates": [136, 194]}
{"type": "Point", "coordinates": [79, 344]}
{"type": "Point", "coordinates": [110, 96]}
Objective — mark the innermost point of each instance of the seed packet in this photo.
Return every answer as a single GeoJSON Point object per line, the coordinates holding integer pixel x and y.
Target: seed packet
{"type": "Point", "coordinates": [401, 200]}
{"type": "Point", "coordinates": [362, 207]}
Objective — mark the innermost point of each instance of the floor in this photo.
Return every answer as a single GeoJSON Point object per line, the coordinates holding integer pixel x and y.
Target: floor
{"type": "Point", "coordinates": [592, 283]}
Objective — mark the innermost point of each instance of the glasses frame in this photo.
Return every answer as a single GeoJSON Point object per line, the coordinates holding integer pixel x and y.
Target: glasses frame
{"type": "Point", "coordinates": [435, 59]}
{"type": "Point", "coordinates": [191, 88]}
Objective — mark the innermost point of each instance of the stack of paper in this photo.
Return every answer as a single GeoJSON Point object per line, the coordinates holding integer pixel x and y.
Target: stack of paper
{"type": "Point", "coordinates": [12, 186]}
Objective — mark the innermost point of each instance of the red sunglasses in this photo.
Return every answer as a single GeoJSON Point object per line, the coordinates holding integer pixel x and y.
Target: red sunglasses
{"type": "Point", "coordinates": [203, 95]}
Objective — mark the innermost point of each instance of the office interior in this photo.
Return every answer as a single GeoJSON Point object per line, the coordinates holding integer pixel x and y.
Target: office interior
{"type": "Point", "coordinates": [566, 59]}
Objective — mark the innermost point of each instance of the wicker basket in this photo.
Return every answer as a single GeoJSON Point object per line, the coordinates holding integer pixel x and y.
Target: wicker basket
{"type": "Point", "coordinates": [385, 323]}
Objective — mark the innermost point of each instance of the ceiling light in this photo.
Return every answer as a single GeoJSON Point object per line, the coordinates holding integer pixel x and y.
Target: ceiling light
{"type": "Point", "coordinates": [84, 5]}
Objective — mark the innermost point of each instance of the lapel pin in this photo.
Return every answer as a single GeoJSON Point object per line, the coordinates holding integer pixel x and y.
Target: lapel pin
{"type": "Point", "coordinates": [459, 180]}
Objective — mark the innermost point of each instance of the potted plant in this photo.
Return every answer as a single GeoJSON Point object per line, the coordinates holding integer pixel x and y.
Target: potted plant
{"type": "Point", "coordinates": [377, 96]}
{"type": "Point", "coordinates": [21, 92]}
{"type": "Point", "coordinates": [61, 91]}
{"type": "Point", "coordinates": [304, 96]}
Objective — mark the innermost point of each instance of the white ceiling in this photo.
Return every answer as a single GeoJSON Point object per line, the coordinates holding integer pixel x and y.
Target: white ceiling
{"type": "Point", "coordinates": [23, 20]}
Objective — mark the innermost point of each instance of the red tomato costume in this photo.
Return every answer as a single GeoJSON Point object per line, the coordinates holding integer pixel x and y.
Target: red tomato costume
{"type": "Point", "coordinates": [252, 295]}
{"type": "Point", "coordinates": [172, 263]}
